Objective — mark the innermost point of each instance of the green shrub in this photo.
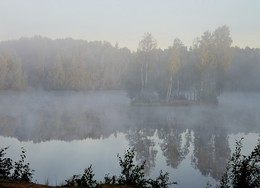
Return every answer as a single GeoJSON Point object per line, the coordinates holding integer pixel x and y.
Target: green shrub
{"type": "Point", "coordinates": [86, 180]}
{"type": "Point", "coordinates": [6, 164]}
{"type": "Point", "coordinates": [161, 181]}
{"type": "Point", "coordinates": [17, 171]}
{"type": "Point", "coordinates": [242, 171]}
{"type": "Point", "coordinates": [110, 180]}
{"type": "Point", "coordinates": [74, 181]}
{"type": "Point", "coordinates": [22, 170]}
{"type": "Point", "coordinates": [131, 174]}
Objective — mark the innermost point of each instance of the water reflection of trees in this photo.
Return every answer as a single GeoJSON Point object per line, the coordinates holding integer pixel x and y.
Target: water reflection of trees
{"type": "Point", "coordinates": [174, 139]}
{"type": "Point", "coordinates": [142, 141]}
{"type": "Point", "coordinates": [144, 128]}
{"type": "Point", "coordinates": [211, 151]}
{"type": "Point", "coordinates": [174, 146]}
{"type": "Point", "coordinates": [210, 141]}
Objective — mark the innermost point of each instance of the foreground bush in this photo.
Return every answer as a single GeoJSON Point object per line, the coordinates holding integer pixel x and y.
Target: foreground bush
{"type": "Point", "coordinates": [86, 180]}
{"type": "Point", "coordinates": [242, 171]}
{"type": "Point", "coordinates": [15, 171]}
{"type": "Point", "coordinates": [6, 164]}
{"type": "Point", "coordinates": [131, 174]}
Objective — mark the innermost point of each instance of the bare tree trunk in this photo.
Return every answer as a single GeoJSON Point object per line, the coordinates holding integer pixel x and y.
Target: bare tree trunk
{"type": "Point", "coordinates": [142, 77]}
{"type": "Point", "coordinates": [146, 74]}
{"type": "Point", "coordinates": [169, 90]}
{"type": "Point", "coordinates": [178, 88]}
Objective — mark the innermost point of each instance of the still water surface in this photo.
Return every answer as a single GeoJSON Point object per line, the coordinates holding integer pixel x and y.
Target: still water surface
{"type": "Point", "coordinates": [65, 132]}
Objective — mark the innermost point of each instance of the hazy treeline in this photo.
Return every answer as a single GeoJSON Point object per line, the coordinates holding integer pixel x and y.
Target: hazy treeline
{"type": "Point", "coordinates": [206, 67]}
{"type": "Point", "coordinates": [243, 72]}
{"type": "Point", "coordinates": [64, 64]}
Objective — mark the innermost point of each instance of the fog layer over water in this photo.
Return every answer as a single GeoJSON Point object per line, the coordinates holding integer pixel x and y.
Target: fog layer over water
{"type": "Point", "coordinates": [65, 132]}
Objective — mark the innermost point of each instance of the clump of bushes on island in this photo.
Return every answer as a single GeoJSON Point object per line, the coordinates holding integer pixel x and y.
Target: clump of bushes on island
{"type": "Point", "coordinates": [241, 171]}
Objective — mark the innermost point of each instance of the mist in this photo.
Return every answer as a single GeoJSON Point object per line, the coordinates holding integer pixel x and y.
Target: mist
{"type": "Point", "coordinates": [169, 104]}
{"type": "Point", "coordinates": [89, 124]}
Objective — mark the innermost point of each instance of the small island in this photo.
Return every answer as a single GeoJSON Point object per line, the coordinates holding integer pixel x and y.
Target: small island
{"type": "Point", "coordinates": [183, 77]}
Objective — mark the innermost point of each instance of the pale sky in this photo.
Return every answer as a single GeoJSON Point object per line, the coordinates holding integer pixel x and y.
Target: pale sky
{"type": "Point", "coordinates": [125, 21]}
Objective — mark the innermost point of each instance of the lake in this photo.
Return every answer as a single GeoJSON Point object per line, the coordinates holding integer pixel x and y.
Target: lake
{"type": "Point", "coordinates": [65, 132]}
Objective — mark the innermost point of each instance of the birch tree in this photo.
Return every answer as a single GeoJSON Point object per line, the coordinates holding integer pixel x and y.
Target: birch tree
{"type": "Point", "coordinates": [174, 66]}
{"type": "Point", "coordinates": [206, 65]}
{"type": "Point", "coordinates": [145, 50]}
{"type": "Point", "coordinates": [215, 53]}
{"type": "Point", "coordinates": [222, 55]}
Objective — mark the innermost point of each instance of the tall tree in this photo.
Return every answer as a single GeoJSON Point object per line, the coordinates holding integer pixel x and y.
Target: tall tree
{"type": "Point", "coordinates": [221, 54]}
{"type": "Point", "coordinates": [56, 74]}
{"type": "Point", "coordinates": [175, 62]}
{"type": "Point", "coordinates": [12, 75]}
{"type": "Point", "coordinates": [145, 50]}
{"type": "Point", "coordinates": [215, 54]}
{"type": "Point", "coordinates": [207, 86]}
{"type": "Point", "coordinates": [3, 71]}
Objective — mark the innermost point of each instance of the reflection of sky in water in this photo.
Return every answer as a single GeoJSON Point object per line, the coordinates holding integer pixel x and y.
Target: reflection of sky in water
{"type": "Point", "coordinates": [56, 161]}
{"type": "Point", "coordinates": [59, 160]}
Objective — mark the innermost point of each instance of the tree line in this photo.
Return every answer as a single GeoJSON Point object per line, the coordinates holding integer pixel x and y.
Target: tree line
{"type": "Point", "coordinates": [199, 72]}
{"type": "Point", "coordinates": [64, 64]}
